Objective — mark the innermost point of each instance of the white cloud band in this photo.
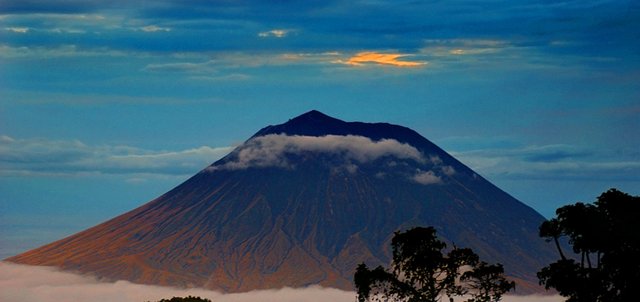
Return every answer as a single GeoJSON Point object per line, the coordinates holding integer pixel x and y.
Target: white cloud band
{"type": "Point", "coordinates": [270, 150]}
{"type": "Point", "coordinates": [70, 157]}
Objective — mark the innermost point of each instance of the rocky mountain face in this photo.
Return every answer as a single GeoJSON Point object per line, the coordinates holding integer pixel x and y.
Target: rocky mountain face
{"type": "Point", "coordinates": [303, 203]}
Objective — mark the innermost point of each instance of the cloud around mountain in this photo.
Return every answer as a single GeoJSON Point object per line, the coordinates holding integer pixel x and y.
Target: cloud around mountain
{"type": "Point", "coordinates": [271, 150]}
{"type": "Point", "coordinates": [45, 157]}
{"type": "Point", "coordinates": [427, 178]}
{"type": "Point", "coordinates": [73, 157]}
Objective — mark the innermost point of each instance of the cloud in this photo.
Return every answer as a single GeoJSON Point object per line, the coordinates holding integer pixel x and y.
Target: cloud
{"type": "Point", "coordinates": [373, 25]}
{"type": "Point", "coordinates": [21, 30]}
{"type": "Point", "coordinates": [71, 99]}
{"type": "Point", "coordinates": [558, 161]}
{"type": "Point", "coordinates": [69, 50]}
{"type": "Point", "coordinates": [22, 283]}
{"type": "Point", "coordinates": [235, 64]}
{"type": "Point", "coordinates": [71, 157]}
{"type": "Point", "coordinates": [275, 33]}
{"type": "Point", "coordinates": [426, 178]}
{"type": "Point", "coordinates": [448, 170]}
{"type": "Point", "coordinates": [377, 58]}
{"type": "Point", "coordinates": [204, 67]}
{"type": "Point", "coordinates": [223, 78]}
{"type": "Point", "coordinates": [271, 150]}
{"type": "Point", "coordinates": [154, 28]}
{"type": "Point", "coordinates": [474, 52]}
{"type": "Point", "coordinates": [52, 25]}
{"type": "Point", "coordinates": [6, 139]}
{"type": "Point", "coordinates": [309, 58]}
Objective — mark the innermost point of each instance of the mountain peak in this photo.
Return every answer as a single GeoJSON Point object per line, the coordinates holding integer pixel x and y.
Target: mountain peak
{"type": "Point", "coordinates": [314, 117]}
{"type": "Point", "coordinates": [286, 210]}
{"type": "Point", "coordinates": [313, 114]}
{"type": "Point", "coordinates": [312, 123]}
{"type": "Point", "coordinates": [316, 123]}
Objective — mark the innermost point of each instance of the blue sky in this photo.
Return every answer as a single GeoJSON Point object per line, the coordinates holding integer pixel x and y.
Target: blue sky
{"type": "Point", "coordinates": [106, 105]}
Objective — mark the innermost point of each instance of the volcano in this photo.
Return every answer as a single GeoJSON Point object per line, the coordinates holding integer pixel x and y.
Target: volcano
{"type": "Point", "coordinates": [302, 203]}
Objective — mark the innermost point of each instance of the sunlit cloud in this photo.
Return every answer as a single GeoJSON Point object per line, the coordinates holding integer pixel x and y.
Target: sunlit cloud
{"type": "Point", "coordinates": [276, 33]}
{"type": "Point", "coordinates": [391, 59]}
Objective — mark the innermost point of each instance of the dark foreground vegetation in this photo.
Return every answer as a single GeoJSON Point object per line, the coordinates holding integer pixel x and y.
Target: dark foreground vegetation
{"type": "Point", "coordinates": [605, 236]}
{"type": "Point", "coordinates": [420, 271]}
{"type": "Point", "coordinates": [185, 299]}
{"type": "Point", "coordinates": [603, 265]}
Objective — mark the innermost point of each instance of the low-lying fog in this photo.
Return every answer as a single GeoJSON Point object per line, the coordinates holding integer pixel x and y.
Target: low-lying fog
{"type": "Point", "coordinates": [22, 283]}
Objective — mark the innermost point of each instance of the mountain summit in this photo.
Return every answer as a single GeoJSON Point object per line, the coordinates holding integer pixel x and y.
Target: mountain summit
{"type": "Point", "coordinates": [302, 203]}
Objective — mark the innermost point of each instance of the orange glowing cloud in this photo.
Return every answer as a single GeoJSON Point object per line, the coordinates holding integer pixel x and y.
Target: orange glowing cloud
{"type": "Point", "coordinates": [382, 59]}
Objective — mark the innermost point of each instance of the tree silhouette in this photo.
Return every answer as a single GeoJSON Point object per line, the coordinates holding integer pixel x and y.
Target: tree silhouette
{"type": "Point", "coordinates": [606, 239]}
{"type": "Point", "coordinates": [421, 272]}
{"type": "Point", "coordinates": [186, 299]}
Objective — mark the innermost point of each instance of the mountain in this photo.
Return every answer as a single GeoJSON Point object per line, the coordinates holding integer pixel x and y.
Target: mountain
{"type": "Point", "coordinates": [303, 203]}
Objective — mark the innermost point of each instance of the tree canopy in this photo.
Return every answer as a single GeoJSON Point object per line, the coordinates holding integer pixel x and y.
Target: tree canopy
{"type": "Point", "coordinates": [605, 236]}
{"type": "Point", "coordinates": [186, 299]}
{"type": "Point", "coordinates": [421, 271]}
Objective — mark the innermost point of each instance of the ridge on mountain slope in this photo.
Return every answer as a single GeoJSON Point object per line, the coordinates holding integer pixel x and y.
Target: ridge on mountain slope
{"type": "Point", "coordinates": [303, 203]}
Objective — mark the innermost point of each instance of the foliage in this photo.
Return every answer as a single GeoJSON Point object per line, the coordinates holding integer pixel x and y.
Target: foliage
{"type": "Point", "coordinates": [421, 272]}
{"type": "Point", "coordinates": [186, 299]}
{"type": "Point", "coordinates": [606, 238]}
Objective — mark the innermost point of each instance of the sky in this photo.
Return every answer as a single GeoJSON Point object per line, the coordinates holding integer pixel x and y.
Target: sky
{"type": "Point", "coordinates": [105, 105]}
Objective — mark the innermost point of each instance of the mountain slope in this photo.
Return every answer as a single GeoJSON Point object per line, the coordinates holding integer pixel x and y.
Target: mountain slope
{"type": "Point", "coordinates": [303, 203]}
